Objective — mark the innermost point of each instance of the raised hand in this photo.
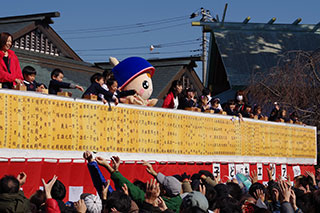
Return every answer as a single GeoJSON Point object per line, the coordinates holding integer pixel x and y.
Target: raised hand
{"type": "Point", "coordinates": [285, 191]}
{"type": "Point", "coordinates": [48, 186]}
{"type": "Point", "coordinates": [115, 162]}
{"type": "Point", "coordinates": [152, 192]}
{"type": "Point", "coordinates": [202, 189]}
{"type": "Point", "coordinates": [312, 176]}
{"type": "Point", "coordinates": [217, 179]}
{"type": "Point", "coordinates": [150, 169]}
{"type": "Point", "coordinates": [293, 200]}
{"type": "Point", "coordinates": [270, 172]}
{"type": "Point", "coordinates": [22, 177]}
{"type": "Point", "coordinates": [259, 194]}
{"type": "Point", "coordinates": [125, 189]}
{"type": "Point", "coordinates": [103, 162]}
{"type": "Point", "coordinates": [161, 204]}
{"type": "Point", "coordinates": [80, 206]}
{"type": "Point", "coordinates": [254, 176]}
{"type": "Point", "coordinates": [105, 190]}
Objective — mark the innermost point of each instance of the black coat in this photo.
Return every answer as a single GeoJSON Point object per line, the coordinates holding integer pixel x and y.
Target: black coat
{"type": "Point", "coordinates": [56, 86]}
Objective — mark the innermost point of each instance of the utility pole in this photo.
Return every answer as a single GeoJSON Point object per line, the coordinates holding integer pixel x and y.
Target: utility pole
{"type": "Point", "coordinates": [204, 56]}
{"type": "Point", "coordinates": [206, 17]}
{"type": "Point", "coordinates": [204, 47]}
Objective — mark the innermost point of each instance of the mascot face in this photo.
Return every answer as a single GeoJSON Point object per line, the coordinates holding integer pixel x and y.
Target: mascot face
{"type": "Point", "coordinates": [142, 85]}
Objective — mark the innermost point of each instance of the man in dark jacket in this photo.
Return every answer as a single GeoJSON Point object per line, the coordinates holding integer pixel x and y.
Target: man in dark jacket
{"type": "Point", "coordinates": [11, 198]}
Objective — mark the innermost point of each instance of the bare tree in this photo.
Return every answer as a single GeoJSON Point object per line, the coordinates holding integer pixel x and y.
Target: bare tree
{"type": "Point", "coordinates": [294, 83]}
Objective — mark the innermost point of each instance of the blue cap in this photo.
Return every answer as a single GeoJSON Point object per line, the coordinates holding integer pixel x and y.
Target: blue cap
{"type": "Point", "coordinates": [130, 68]}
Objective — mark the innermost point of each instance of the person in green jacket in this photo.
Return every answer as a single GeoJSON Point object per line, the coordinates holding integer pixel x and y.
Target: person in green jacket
{"type": "Point", "coordinates": [11, 198]}
{"type": "Point", "coordinates": [170, 186]}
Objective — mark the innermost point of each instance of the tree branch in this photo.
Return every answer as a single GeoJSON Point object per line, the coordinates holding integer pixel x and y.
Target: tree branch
{"type": "Point", "coordinates": [273, 92]}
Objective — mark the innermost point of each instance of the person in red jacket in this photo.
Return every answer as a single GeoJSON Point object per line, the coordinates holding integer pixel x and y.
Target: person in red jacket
{"type": "Point", "coordinates": [51, 204]}
{"type": "Point", "coordinates": [172, 99]}
{"type": "Point", "coordinates": [10, 71]}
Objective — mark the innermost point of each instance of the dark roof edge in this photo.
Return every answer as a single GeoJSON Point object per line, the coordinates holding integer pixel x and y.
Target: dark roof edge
{"type": "Point", "coordinates": [194, 58]}
{"type": "Point", "coordinates": [260, 26]}
{"type": "Point", "coordinates": [163, 61]}
{"type": "Point", "coordinates": [51, 57]}
{"type": "Point", "coordinates": [31, 17]}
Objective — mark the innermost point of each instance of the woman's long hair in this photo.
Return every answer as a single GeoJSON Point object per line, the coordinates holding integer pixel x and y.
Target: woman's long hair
{"type": "Point", "coordinates": [174, 85]}
{"type": "Point", "coordinates": [3, 39]}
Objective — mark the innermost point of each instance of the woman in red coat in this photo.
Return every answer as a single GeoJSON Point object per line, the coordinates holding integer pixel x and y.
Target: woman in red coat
{"type": "Point", "coordinates": [10, 71]}
{"type": "Point", "coordinates": [172, 99]}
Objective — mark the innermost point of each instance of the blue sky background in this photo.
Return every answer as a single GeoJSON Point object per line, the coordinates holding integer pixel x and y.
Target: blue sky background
{"type": "Point", "coordinates": [99, 29]}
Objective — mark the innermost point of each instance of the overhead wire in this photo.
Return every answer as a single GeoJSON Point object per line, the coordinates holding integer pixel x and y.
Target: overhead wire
{"type": "Point", "coordinates": [144, 53]}
{"type": "Point", "coordinates": [128, 33]}
{"type": "Point", "coordinates": [95, 59]}
{"type": "Point", "coordinates": [144, 27]}
{"type": "Point", "coordinates": [177, 43]}
{"type": "Point", "coordinates": [122, 27]}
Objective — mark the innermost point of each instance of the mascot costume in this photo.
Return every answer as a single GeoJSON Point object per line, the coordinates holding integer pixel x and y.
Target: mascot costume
{"type": "Point", "coordinates": [134, 73]}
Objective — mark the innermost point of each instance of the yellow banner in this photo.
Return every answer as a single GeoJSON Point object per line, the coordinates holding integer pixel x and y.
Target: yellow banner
{"type": "Point", "coordinates": [48, 124]}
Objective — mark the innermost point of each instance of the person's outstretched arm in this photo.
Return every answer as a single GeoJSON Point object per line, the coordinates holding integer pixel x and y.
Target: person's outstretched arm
{"type": "Point", "coordinates": [135, 192]}
{"type": "Point", "coordinates": [97, 177]}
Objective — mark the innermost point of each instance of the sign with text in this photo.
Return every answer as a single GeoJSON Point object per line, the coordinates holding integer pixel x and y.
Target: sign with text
{"type": "Point", "coordinates": [37, 123]}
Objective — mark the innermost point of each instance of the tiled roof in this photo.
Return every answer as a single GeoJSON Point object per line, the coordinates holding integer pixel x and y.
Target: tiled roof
{"type": "Point", "coordinates": [246, 48]}
{"type": "Point", "coordinates": [12, 28]}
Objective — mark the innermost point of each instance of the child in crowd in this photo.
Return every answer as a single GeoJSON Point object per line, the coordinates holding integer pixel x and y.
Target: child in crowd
{"type": "Point", "coordinates": [257, 112]}
{"type": "Point", "coordinates": [293, 116]}
{"type": "Point", "coordinates": [188, 100]}
{"type": "Point", "coordinates": [56, 83]}
{"type": "Point", "coordinates": [247, 113]}
{"type": "Point", "coordinates": [207, 92]}
{"type": "Point", "coordinates": [107, 74]}
{"type": "Point", "coordinates": [95, 88]}
{"type": "Point", "coordinates": [231, 108]}
{"type": "Point", "coordinates": [283, 117]}
{"type": "Point", "coordinates": [112, 85]}
{"type": "Point", "coordinates": [29, 75]}
{"type": "Point", "coordinates": [275, 112]}
{"type": "Point", "coordinates": [215, 105]}
{"type": "Point", "coordinates": [204, 104]}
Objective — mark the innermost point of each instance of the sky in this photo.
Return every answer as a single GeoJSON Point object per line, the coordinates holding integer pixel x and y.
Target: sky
{"type": "Point", "coordinates": [98, 29]}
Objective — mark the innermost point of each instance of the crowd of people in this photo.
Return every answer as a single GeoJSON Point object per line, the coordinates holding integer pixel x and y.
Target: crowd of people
{"type": "Point", "coordinates": [185, 98]}
{"type": "Point", "coordinates": [199, 192]}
